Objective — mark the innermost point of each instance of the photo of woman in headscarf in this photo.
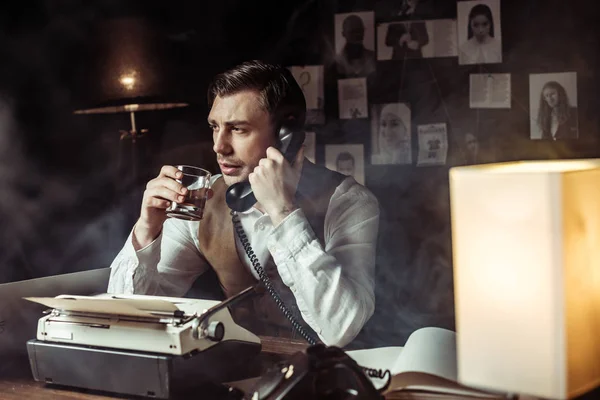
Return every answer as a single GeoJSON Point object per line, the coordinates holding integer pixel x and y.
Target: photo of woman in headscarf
{"type": "Point", "coordinates": [483, 44]}
{"type": "Point", "coordinates": [556, 120]}
{"type": "Point", "coordinates": [391, 135]}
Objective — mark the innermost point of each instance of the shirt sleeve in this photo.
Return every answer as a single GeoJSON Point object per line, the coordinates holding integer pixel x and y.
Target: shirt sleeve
{"type": "Point", "coordinates": [166, 267]}
{"type": "Point", "coordinates": [333, 286]}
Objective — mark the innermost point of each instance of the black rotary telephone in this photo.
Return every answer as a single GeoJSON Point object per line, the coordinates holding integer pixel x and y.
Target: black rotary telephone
{"type": "Point", "coordinates": [321, 373]}
{"type": "Point", "coordinates": [239, 196]}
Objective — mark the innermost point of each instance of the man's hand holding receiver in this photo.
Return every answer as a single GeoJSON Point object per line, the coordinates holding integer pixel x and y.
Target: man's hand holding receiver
{"type": "Point", "coordinates": [274, 182]}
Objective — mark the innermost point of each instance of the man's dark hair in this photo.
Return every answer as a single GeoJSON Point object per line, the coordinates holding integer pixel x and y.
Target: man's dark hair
{"type": "Point", "coordinates": [352, 22]}
{"type": "Point", "coordinates": [280, 94]}
{"type": "Point", "coordinates": [344, 156]}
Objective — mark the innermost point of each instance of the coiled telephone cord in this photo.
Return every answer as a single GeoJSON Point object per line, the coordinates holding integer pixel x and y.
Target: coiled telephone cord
{"type": "Point", "coordinates": [266, 281]}
{"type": "Point", "coordinates": [264, 278]}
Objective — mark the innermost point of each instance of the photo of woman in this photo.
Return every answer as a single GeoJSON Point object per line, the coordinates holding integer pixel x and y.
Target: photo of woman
{"type": "Point", "coordinates": [554, 117]}
{"type": "Point", "coordinates": [483, 43]}
{"type": "Point", "coordinates": [553, 111]}
{"type": "Point", "coordinates": [390, 132]}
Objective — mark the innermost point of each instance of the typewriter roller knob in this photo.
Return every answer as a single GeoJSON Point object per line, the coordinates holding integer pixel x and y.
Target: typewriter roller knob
{"type": "Point", "coordinates": [215, 331]}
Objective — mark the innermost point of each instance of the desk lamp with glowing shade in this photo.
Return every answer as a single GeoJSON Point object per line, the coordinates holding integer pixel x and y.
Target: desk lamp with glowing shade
{"type": "Point", "coordinates": [130, 72]}
{"type": "Point", "coordinates": [526, 250]}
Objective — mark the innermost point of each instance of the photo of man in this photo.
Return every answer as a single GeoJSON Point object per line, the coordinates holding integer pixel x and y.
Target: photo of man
{"type": "Point", "coordinates": [345, 163]}
{"type": "Point", "coordinates": [407, 39]}
{"type": "Point", "coordinates": [355, 44]}
{"type": "Point", "coordinates": [400, 40]}
{"type": "Point", "coordinates": [347, 159]}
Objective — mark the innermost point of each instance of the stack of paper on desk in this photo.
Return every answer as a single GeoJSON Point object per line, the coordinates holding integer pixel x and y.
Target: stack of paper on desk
{"type": "Point", "coordinates": [425, 366]}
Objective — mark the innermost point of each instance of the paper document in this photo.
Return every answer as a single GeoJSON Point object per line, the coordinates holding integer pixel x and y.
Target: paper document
{"type": "Point", "coordinates": [427, 363]}
{"type": "Point", "coordinates": [144, 306]}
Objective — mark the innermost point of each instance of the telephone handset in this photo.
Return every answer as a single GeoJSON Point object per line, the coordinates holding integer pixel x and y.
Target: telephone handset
{"type": "Point", "coordinates": [239, 196]}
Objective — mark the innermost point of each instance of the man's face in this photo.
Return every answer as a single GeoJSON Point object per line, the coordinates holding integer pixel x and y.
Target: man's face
{"type": "Point", "coordinates": [353, 30]}
{"type": "Point", "coordinates": [345, 167]}
{"type": "Point", "coordinates": [242, 132]}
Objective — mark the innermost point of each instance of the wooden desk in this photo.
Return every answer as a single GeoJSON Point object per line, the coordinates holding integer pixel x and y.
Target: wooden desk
{"type": "Point", "coordinates": [16, 381]}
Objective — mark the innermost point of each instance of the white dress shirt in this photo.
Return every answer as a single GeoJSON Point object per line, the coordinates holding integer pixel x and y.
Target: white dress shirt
{"type": "Point", "coordinates": [333, 286]}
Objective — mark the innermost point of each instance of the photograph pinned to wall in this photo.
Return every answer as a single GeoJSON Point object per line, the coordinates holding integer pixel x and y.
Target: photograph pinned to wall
{"type": "Point", "coordinates": [355, 44]}
{"type": "Point", "coordinates": [469, 148]}
{"type": "Point", "coordinates": [479, 32]}
{"type": "Point", "coordinates": [347, 159]}
{"type": "Point", "coordinates": [310, 79]}
{"type": "Point", "coordinates": [489, 91]}
{"type": "Point", "coordinates": [433, 144]}
{"type": "Point", "coordinates": [310, 145]}
{"type": "Point", "coordinates": [390, 134]}
{"type": "Point", "coordinates": [416, 39]}
{"type": "Point", "coordinates": [386, 10]}
{"type": "Point", "coordinates": [352, 98]}
{"type": "Point", "coordinates": [553, 106]}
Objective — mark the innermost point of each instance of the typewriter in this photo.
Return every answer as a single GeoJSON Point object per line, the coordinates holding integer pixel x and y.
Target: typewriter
{"type": "Point", "coordinates": [138, 345]}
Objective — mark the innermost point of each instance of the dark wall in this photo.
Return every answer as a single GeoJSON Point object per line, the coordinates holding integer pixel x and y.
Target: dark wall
{"type": "Point", "coordinates": [68, 198]}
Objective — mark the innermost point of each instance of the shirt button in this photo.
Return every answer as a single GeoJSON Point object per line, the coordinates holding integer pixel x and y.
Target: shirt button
{"type": "Point", "coordinates": [261, 226]}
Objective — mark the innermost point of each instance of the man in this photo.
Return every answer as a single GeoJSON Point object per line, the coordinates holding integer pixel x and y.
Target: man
{"type": "Point", "coordinates": [344, 163]}
{"type": "Point", "coordinates": [407, 39]}
{"type": "Point", "coordinates": [355, 59]}
{"type": "Point", "coordinates": [313, 230]}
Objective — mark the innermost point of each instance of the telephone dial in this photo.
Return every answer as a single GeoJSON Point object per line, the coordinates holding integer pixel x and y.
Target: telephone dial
{"type": "Point", "coordinates": [322, 373]}
{"type": "Point", "coordinates": [239, 196]}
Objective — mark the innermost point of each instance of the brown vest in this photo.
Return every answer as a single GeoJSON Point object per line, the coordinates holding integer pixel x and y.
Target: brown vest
{"type": "Point", "coordinates": [217, 245]}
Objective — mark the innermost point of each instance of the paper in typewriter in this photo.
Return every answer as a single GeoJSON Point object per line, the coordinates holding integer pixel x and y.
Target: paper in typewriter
{"type": "Point", "coordinates": [138, 307]}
